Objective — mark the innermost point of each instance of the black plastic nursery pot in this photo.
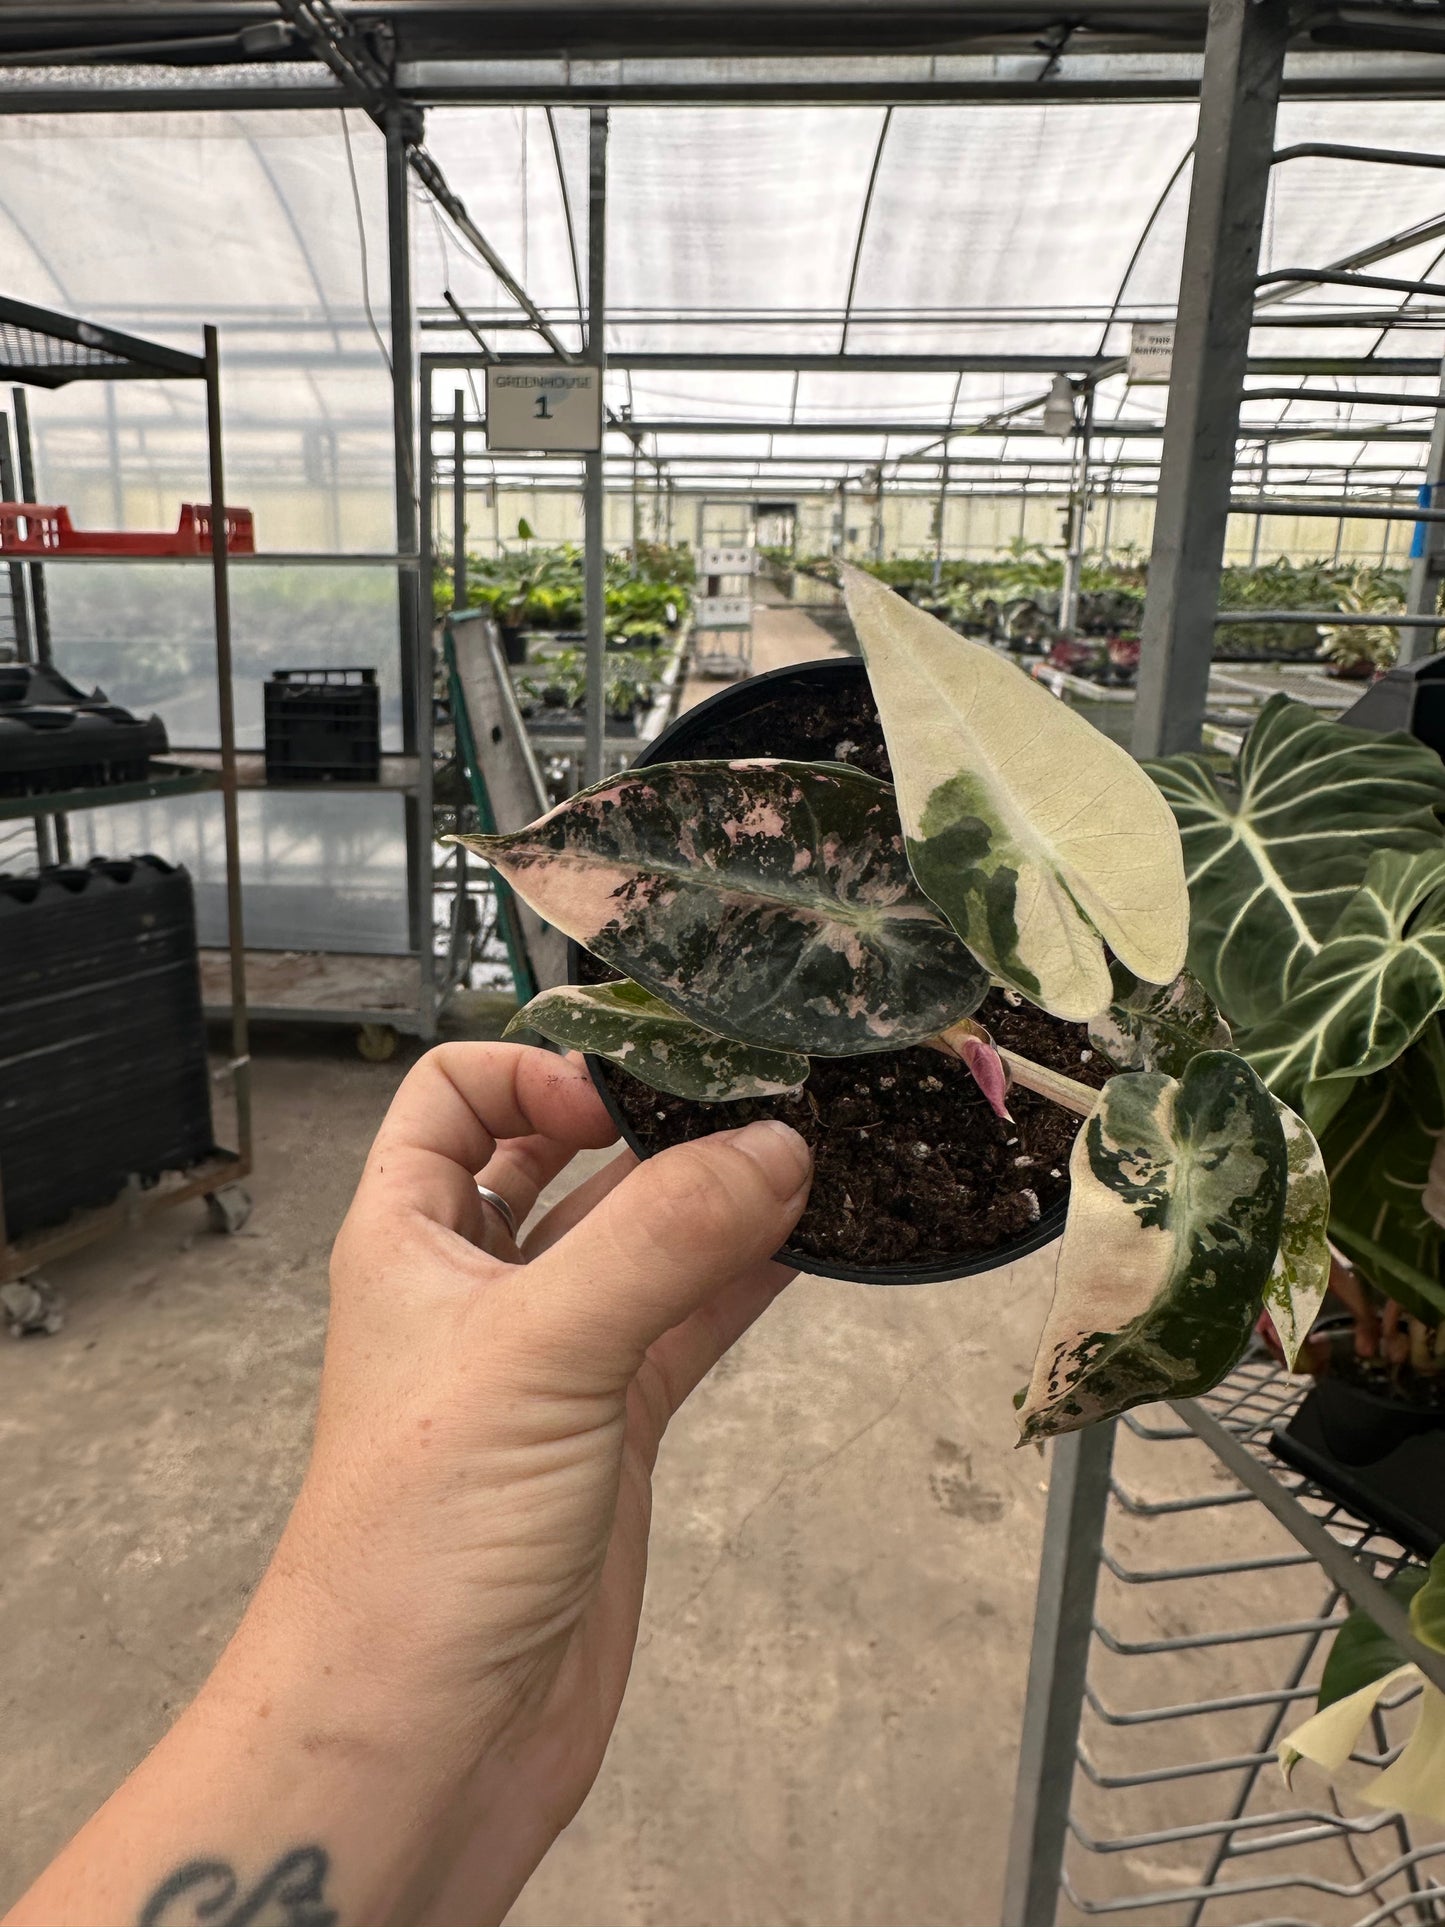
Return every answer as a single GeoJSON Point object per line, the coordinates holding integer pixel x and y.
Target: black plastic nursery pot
{"type": "Point", "coordinates": [794, 713]}
{"type": "Point", "coordinates": [1379, 1453]}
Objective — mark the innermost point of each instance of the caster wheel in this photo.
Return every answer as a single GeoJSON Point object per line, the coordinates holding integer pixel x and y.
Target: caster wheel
{"type": "Point", "coordinates": [377, 1043]}
{"type": "Point", "coordinates": [31, 1305]}
{"type": "Point", "coordinates": [228, 1209]}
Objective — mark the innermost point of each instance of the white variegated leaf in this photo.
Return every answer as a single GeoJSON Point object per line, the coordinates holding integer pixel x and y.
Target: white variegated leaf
{"type": "Point", "coordinates": [1158, 1027]}
{"type": "Point", "coordinates": [1300, 1277]}
{"type": "Point", "coordinates": [653, 1043]}
{"type": "Point", "coordinates": [1278, 845]}
{"type": "Point", "coordinates": [1040, 839]}
{"type": "Point", "coordinates": [1176, 1201]}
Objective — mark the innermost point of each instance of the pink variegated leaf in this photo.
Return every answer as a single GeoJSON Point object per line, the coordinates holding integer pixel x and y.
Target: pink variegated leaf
{"type": "Point", "coordinates": [768, 902]}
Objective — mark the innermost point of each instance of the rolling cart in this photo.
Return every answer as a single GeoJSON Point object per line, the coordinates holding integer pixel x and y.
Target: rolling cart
{"type": "Point", "coordinates": [42, 349]}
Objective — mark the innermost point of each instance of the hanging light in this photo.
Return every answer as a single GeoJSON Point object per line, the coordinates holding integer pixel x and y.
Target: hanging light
{"type": "Point", "coordinates": [1059, 408]}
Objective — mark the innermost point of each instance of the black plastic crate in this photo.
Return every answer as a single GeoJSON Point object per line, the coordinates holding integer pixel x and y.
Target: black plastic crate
{"type": "Point", "coordinates": [323, 725]}
{"type": "Point", "coordinates": [103, 1073]}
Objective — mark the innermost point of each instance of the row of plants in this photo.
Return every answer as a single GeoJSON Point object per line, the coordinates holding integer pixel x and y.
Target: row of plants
{"type": "Point", "coordinates": [1016, 600]}
{"type": "Point", "coordinates": [552, 692]}
{"type": "Point", "coordinates": [541, 588]}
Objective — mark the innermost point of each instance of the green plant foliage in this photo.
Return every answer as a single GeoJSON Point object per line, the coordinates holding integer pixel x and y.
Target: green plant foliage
{"type": "Point", "coordinates": [1361, 1653]}
{"type": "Point", "coordinates": [1178, 1194]}
{"type": "Point", "coordinates": [1368, 592]}
{"type": "Point", "coordinates": [1381, 1149]}
{"type": "Point", "coordinates": [768, 902]}
{"type": "Point", "coordinates": [1157, 1027]}
{"type": "Point", "coordinates": [626, 1025]}
{"type": "Point", "coordinates": [1427, 1606]}
{"type": "Point", "coordinates": [1300, 1275]}
{"type": "Point", "coordinates": [1278, 845]}
{"type": "Point", "coordinates": [1366, 993]}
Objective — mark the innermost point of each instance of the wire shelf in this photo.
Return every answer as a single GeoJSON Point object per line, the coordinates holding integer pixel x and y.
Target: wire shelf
{"type": "Point", "coordinates": [1211, 1627]}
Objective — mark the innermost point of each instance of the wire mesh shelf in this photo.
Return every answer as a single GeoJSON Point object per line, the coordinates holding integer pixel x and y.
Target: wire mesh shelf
{"type": "Point", "coordinates": [1211, 1627]}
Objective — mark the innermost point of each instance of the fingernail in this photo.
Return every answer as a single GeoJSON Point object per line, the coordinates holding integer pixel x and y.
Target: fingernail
{"type": "Point", "coordinates": [781, 1152]}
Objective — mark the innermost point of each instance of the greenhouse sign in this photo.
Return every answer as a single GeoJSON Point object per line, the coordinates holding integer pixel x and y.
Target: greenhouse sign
{"type": "Point", "coordinates": [544, 404]}
{"type": "Point", "coordinates": [1151, 350]}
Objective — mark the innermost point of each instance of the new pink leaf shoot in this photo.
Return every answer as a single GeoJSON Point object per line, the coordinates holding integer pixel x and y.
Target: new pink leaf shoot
{"type": "Point", "coordinates": [971, 1043]}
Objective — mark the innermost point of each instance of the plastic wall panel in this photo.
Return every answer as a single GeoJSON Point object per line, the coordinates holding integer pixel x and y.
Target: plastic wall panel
{"type": "Point", "coordinates": [144, 633]}
{"type": "Point", "coordinates": [319, 872]}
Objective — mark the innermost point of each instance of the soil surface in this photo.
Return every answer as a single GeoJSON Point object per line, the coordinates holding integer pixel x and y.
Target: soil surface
{"type": "Point", "coordinates": [1398, 1385]}
{"type": "Point", "coordinates": [912, 1168]}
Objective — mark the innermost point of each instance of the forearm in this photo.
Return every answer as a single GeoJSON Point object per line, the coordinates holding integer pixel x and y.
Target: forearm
{"type": "Point", "coordinates": [297, 1776]}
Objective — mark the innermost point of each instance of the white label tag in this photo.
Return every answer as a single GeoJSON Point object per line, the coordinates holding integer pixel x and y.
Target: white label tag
{"type": "Point", "coordinates": [544, 404]}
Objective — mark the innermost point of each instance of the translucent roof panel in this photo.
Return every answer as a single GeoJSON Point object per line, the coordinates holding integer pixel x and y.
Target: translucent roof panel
{"type": "Point", "coordinates": [271, 225]}
{"type": "Point", "coordinates": [1017, 229]}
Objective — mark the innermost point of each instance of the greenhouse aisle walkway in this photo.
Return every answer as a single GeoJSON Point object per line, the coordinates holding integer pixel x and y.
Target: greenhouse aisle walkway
{"type": "Point", "coordinates": [782, 635]}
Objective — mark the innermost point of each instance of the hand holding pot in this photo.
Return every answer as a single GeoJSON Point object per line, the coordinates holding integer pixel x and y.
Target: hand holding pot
{"type": "Point", "coordinates": [423, 1688]}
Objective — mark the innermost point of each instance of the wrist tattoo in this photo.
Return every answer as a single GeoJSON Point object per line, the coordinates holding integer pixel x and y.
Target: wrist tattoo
{"type": "Point", "coordinates": [207, 1893]}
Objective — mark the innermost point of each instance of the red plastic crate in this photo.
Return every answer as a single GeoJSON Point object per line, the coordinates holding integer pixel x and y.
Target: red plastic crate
{"type": "Point", "coordinates": [31, 528]}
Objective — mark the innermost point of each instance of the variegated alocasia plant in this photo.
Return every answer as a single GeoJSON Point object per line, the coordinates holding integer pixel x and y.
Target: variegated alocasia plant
{"type": "Point", "coordinates": [766, 912]}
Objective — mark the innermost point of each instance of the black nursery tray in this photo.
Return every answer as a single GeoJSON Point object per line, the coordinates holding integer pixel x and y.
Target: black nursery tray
{"type": "Point", "coordinates": [1403, 1492]}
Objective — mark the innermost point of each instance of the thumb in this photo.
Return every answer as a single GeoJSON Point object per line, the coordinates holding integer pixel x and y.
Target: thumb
{"type": "Point", "coordinates": [670, 1236]}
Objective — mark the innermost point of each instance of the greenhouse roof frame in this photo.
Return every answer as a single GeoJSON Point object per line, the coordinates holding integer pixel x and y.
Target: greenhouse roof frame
{"type": "Point", "coordinates": [399, 57]}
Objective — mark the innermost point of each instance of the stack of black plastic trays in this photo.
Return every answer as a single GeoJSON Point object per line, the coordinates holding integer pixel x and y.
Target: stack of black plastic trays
{"type": "Point", "coordinates": [55, 737]}
{"type": "Point", "coordinates": [102, 1042]}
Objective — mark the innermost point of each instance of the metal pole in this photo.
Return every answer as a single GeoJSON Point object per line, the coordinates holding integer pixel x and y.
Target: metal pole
{"type": "Point", "coordinates": [24, 640]}
{"type": "Point", "coordinates": [52, 833]}
{"type": "Point", "coordinates": [459, 502]}
{"type": "Point", "coordinates": [25, 456]}
{"type": "Point", "coordinates": [1078, 516]}
{"type": "Point", "coordinates": [1063, 1622]}
{"type": "Point", "coordinates": [594, 500]}
{"type": "Point", "coordinates": [415, 634]}
{"type": "Point", "coordinates": [226, 710]}
{"type": "Point", "coordinates": [1239, 92]}
{"type": "Point", "coordinates": [1427, 549]}
{"type": "Point", "coordinates": [938, 532]}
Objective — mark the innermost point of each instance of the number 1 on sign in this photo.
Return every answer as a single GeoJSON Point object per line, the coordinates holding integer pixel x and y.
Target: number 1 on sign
{"type": "Point", "coordinates": [543, 412]}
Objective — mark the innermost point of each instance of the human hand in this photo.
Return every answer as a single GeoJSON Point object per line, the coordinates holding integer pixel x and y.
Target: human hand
{"type": "Point", "coordinates": [423, 1687]}
{"type": "Point", "coordinates": [471, 1538]}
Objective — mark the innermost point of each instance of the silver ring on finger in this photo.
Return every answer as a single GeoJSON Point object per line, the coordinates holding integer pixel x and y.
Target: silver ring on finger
{"type": "Point", "coordinates": [501, 1207]}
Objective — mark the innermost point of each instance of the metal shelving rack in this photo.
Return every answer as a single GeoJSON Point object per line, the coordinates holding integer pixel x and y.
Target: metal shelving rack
{"type": "Point", "coordinates": [1148, 1783]}
{"type": "Point", "coordinates": [42, 349]}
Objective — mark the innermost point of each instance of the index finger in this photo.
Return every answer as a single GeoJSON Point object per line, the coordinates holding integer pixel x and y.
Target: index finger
{"type": "Point", "coordinates": [453, 1106]}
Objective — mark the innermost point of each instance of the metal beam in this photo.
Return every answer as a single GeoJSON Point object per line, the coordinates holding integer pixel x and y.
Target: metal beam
{"type": "Point", "coordinates": [687, 361]}
{"type": "Point", "coordinates": [594, 505]}
{"type": "Point", "coordinates": [1243, 62]}
{"type": "Point", "coordinates": [347, 51]}
{"type": "Point", "coordinates": [1079, 1466]}
{"type": "Point", "coordinates": [1427, 549]}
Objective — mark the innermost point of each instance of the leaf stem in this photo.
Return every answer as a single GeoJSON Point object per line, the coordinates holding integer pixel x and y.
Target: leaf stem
{"type": "Point", "coordinates": [1079, 1098]}
{"type": "Point", "coordinates": [1430, 1289]}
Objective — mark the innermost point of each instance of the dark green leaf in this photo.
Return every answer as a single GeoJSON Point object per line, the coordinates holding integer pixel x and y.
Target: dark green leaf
{"type": "Point", "coordinates": [1361, 1653]}
{"type": "Point", "coordinates": [1176, 1202]}
{"type": "Point", "coordinates": [1382, 1151]}
{"type": "Point", "coordinates": [1276, 849]}
{"type": "Point", "coordinates": [768, 902]}
{"type": "Point", "coordinates": [1427, 1607]}
{"type": "Point", "coordinates": [650, 1041]}
{"type": "Point", "coordinates": [1368, 991]}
